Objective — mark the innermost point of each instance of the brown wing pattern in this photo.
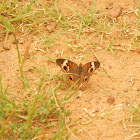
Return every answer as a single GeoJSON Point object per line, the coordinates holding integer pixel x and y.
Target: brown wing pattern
{"type": "Point", "coordinates": [78, 73]}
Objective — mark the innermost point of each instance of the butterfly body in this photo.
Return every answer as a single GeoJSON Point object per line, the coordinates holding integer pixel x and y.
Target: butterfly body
{"type": "Point", "coordinates": [78, 73]}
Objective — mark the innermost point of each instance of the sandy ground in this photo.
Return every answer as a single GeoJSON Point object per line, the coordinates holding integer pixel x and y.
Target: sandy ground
{"type": "Point", "coordinates": [111, 89]}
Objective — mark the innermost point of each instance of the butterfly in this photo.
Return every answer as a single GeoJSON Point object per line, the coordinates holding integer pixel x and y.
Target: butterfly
{"type": "Point", "coordinates": [78, 73]}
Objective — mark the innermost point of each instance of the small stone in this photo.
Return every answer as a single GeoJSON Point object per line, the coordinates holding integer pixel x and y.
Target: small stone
{"type": "Point", "coordinates": [115, 12]}
{"type": "Point", "coordinates": [6, 45]}
{"type": "Point", "coordinates": [51, 26]}
{"type": "Point", "coordinates": [126, 90]}
{"type": "Point", "coordinates": [111, 100]}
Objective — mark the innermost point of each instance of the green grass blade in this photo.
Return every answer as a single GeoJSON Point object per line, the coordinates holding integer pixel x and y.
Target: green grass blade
{"type": "Point", "coordinates": [6, 24]}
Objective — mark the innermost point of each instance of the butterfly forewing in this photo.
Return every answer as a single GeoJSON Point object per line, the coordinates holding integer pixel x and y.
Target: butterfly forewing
{"type": "Point", "coordinates": [67, 65]}
{"type": "Point", "coordinates": [90, 67]}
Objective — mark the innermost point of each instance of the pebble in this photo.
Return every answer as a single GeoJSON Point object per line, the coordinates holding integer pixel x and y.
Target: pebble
{"type": "Point", "coordinates": [51, 26]}
{"type": "Point", "coordinates": [126, 90]}
{"type": "Point", "coordinates": [111, 100]}
{"type": "Point", "coordinates": [6, 45]}
{"type": "Point", "coordinates": [115, 12]}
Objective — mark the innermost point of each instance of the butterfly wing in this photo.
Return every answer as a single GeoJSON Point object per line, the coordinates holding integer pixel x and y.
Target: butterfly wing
{"type": "Point", "coordinates": [90, 67]}
{"type": "Point", "coordinates": [68, 66]}
{"type": "Point", "coordinates": [88, 70]}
